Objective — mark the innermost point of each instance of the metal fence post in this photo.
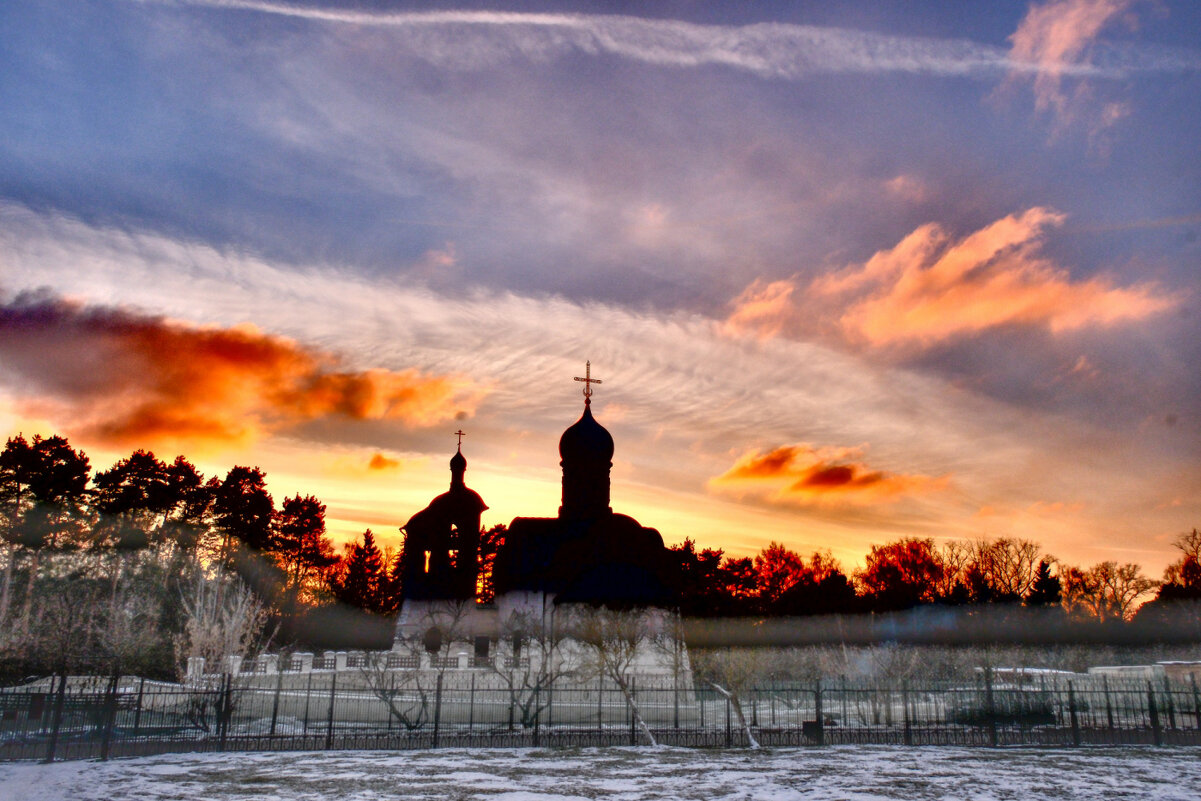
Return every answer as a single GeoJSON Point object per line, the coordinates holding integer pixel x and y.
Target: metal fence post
{"type": "Point", "coordinates": [1072, 712]}
{"type": "Point", "coordinates": [729, 729]}
{"type": "Point", "coordinates": [990, 707]}
{"type": "Point", "coordinates": [333, 697]}
{"type": "Point", "coordinates": [56, 719]}
{"type": "Point", "coordinates": [905, 703]}
{"type": "Point", "coordinates": [1167, 691]}
{"type": "Point", "coordinates": [1196, 699]}
{"type": "Point", "coordinates": [308, 692]}
{"type": "Point", "coordinates": [471, 706]}
{"type": "Point", "coordinates": [537, 714]}
{"type": "Point", "coordinates": [227, 708]}
{"type": "Point", "coordinates": [137, 716]}
{"type": "Point", "coordinates": [279, 686]}
{"type": "Point", "coordinates": [110, 717]}
{"type": "Point", "coordinates": [437, 708]}
{"type": "Point", "coordinates": [630, 715]}
{"type": "Point", "coordinates": [821, 721]}
{"type": "Point", "coordinates": [1153, 712]}
{"type": "Point", "coordinates": [1108, 701]}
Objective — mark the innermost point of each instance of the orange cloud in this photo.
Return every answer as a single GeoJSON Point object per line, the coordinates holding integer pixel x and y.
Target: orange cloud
{"type": "Point", "coordinates": [763, 309]}
{"type": "Point", "coordinates": [381, 462]}
{"type": "Point", "coordinates": [122, 378]}
{"type": "Point", "coordinates": [930, 287]}
{"type": "Point", "coordinates": [804, 475]}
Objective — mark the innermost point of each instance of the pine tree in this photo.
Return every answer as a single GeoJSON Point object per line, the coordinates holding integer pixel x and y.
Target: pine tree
{"type": "Point", "coordinates": [1046, 591]}
{"type": "Point", "coordinates": [363, 575]}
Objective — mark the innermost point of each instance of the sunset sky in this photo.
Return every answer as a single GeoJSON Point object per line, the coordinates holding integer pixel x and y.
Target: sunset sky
{"type": "Point", "coordinates": [848, 271]}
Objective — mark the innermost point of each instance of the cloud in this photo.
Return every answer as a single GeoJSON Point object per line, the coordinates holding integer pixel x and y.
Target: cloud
{"type": "Point", "coordinates": [474, 40]}
{"type": "Point", "coordinates": [381, 462]}
{"type": "Point", "coordinates": [117, 376]}
{"type": "Point", "coordinates": [478, 39]}
{"type": "Point", "coordinates": [1054, 40]}
{"type": "Point", "coordinates": [931, 287]}
{"type": "Point", "coordinates": [803, 475]}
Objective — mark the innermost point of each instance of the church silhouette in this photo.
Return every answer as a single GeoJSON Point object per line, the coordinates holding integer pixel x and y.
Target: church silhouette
{"type": "Point", "coordinates": [588, 554]}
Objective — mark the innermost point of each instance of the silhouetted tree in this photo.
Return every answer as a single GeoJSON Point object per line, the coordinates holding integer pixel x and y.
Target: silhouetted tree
{"type": "Point", "coordinates": [300, 545]}
{"type": "Point", "coordinates": [491, 541]}
{"type": "Point", "coordinates": [132, 497]}
{"type": "Point", "coordinates": [741, 589]}
{"type": "Point", "coordinates": [1104, 592]}
{"type": "Point", "coordinates": [777, 570]}
{"type": "Point", "coordinates": [901, 574]}
{"type": "Point", "coordinates": [244, 509]}
{"type": "Point", "coordinates": [1046, 591]}
{"type": "Point", "coordinates": [701, 586]}
{"type": "Point", "coordinates": [362, 574]}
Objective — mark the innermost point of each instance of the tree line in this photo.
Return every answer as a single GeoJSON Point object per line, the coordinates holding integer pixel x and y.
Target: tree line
{"type": "Point", "coordinates": [147, 563]}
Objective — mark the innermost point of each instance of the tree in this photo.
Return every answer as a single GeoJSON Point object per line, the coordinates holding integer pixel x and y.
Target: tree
{"type": "Point", "coordinates": [1182, 578]}
{"type": "Point", "coordinates": [823, 589]}
{"type": "Point", "coordinates": [1046, 591]}
{"type": "Point", "coordinates": [244, 510]}
{"type": "Point", "coordinates": [611, 640]}
{"type": "Point", "coordinates": [362, 574]}
{"type": "Point", "coordinates": [1105, 591]}
{"type": "Point", "coordinates": [44, 495]}
{"type": "Point", "coordinates": [533, 665]}
{"type": "Point", "coordinates": [132, 498]}
{"type": "Point", "coordinates": [733, 672]}
{"type": "Point", "coordinates": [739, 584]}
{"type": "Point", "coordinates": [223, 618]}
{"type": "Point", "coordinates": [491, 542]}
{"type": "Point", "coordinates": [901, 574]}
{"type": "Point", "coordinates": [699, 580]}
{"type": "Point", "coordinates": [299, 543]}
{"type": "Point", "coordinates": [1007, 567]}
{"type": "Point", "coordinates": [777, 570]}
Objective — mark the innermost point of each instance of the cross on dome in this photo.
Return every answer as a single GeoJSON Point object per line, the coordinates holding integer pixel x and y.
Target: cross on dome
{"type": "Point", "coordinates": [588, 382]}
{"type": "Point", "coordinates": [460, 435]}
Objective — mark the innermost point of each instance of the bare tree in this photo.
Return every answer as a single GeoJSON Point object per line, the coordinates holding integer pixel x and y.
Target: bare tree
{"type": "Point", "coordinates": [733, 672]}
{"type": "Point", "coordinates": [612, 641]}
{"type": "Point", "coordinates": [411, 692]}
{"type": "Point", "coordinates": [534, 664]}
{"type": "Point", "coordinates": [222, 618]}
{"type": "Point", "coordinates": [1009, 565]}
{"type": "Point", "coordinates": [1105, 591]}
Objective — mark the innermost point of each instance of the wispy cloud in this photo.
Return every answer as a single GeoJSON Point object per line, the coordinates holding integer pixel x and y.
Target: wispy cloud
{"type": "Point", "coordinates": [769, 50]}
{"type": "Point", "coordinates": [932, 287]}
{"type": "Point", "coordinates": [694, 400]}
{"type": "Point", "coordinates": [121, 377]}
{"type": "Point", "coordinates": [1055, 41]}
{"type": "Point", "coordinates": [805, 475]}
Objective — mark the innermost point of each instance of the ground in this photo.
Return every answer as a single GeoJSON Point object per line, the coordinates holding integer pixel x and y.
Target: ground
{"type": "Point", "coordinates": [840, 772]}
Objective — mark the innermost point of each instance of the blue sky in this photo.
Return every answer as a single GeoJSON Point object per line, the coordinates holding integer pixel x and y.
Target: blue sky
{"type": "Point", "coordinates": [950, 247]}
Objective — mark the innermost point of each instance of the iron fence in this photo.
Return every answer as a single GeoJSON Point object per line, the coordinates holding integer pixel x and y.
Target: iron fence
{"type": "Point", "coordinates": [96, 717]}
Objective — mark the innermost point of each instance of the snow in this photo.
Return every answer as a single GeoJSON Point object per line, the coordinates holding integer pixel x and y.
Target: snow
{"type": "Point", "coordinates": [633, 774]}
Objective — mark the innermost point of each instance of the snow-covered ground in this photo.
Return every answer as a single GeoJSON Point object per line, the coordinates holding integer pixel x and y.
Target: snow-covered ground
{"type": "Point", "coordinates": [843, 772]}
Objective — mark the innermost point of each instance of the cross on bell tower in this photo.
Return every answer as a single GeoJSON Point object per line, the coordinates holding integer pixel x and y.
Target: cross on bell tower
{"type": "Point", "coordinates": [460, 434]}
{"type": "Point", "coordinates": [588, 382]}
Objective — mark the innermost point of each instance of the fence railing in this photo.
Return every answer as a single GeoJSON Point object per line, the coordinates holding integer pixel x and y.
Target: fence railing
{"type": "Point", "coordinates": [103, 717]}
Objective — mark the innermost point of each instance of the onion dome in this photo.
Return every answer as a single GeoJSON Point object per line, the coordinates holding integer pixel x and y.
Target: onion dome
{"type": "Point", "coordinates": [586, 441]}
{"type": "Point", "coordinates": [458, 462]}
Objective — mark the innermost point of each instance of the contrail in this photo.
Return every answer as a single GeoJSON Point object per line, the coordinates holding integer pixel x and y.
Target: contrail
{"type": "Point", "coordinates": [769, 50]}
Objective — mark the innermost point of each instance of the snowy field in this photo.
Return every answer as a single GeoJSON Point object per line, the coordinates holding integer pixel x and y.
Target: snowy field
{"type": "Point", "coordinates": [840, 772]}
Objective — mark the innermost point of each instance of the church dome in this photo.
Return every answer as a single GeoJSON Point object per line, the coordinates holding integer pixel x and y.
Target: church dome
{"type": "Point", "coordinates": [586, 441]}
{"type": "Point", "coordinates": [458, 462]}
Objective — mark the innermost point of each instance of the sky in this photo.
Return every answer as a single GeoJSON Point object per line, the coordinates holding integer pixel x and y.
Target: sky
{"type": "Point", "coordinates": [848, 272]}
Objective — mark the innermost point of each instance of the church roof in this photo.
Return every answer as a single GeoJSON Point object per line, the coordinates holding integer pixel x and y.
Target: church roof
{"type": "Point", "coordinates": [586, 440]}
